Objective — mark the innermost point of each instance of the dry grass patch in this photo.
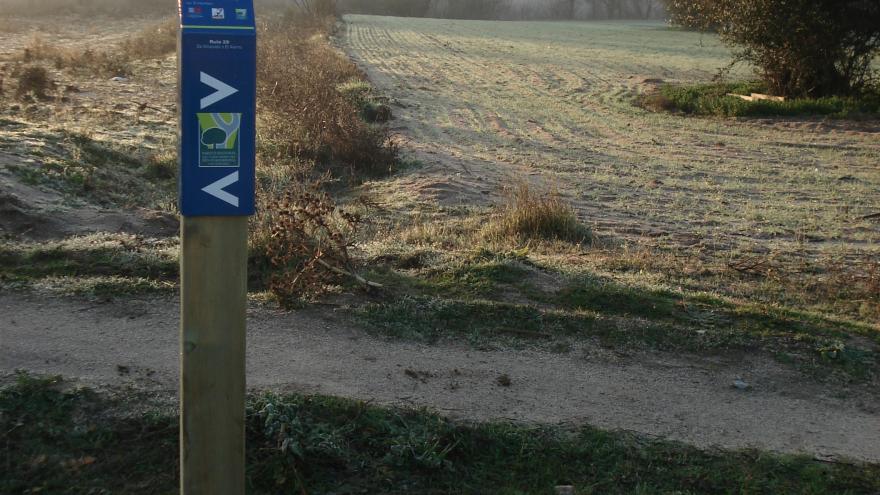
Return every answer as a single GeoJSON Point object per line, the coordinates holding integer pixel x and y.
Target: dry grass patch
{"type": "Point", "coordinates": [111, 8]}
{"type": "Point", "coordinates": [436, 231]}
{"type": "Point", "coordinates": [10, 26]}
{"type": "Point", "coordinates": [156, 41]}
{"type": "Point", "coordinates": [308, 118]}
{"type": "Point", "coordinates": [530, 215]}
{"type": "Point", "coordinates": [312, 136]}
{"type": "Point", "coordinates": [33, 81]}
{"type": "Point", "coordinates": [834, 287]}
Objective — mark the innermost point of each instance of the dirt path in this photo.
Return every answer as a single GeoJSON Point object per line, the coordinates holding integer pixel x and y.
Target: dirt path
{"type": "Point", "coordinates": [692, 400]}
{"type": "Point", "coordinates": [30, 212]}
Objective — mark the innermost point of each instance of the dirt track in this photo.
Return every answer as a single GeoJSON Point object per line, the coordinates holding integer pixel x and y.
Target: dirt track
{"type": "Point", "coordinates": [690, 399]}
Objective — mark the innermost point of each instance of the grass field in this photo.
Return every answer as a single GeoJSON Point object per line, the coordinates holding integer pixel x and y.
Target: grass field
{"type": "Point", "coordinates": [554, 102]}
{"type": "Point", "coordinates": [777, 211]}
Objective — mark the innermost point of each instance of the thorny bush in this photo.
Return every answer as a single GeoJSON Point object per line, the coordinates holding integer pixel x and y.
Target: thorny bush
{"type": "Point", "coordinates": [308, 244]}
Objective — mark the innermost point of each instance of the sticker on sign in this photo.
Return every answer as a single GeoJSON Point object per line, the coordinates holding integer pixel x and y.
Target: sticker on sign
{"type": "Point", "coordinates": [219, 139]}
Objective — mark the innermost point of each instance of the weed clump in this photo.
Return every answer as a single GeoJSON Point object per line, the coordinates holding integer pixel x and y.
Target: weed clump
{"type": "Point", "coordinates": [361, 94]}
{"type": "Point", "coordinates": [33, 81]}
{"type": "Point", "coordinates": [529, 215]}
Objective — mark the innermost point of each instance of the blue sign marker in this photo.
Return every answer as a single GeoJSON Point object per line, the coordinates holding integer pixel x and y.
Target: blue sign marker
{"type": "Point", "coordinates": [217, 81]}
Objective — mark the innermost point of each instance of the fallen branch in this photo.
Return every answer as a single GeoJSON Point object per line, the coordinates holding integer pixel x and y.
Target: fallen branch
{"type": "Point", "coordinates": [757, 97]}
{"type": "Point", "coordinates": [355, 276]}
{"type": "Point", "coordinates": [751, 265]}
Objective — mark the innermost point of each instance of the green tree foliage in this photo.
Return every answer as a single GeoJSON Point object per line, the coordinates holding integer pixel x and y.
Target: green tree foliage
{"type": "Point", "coordinates": [801, 48]}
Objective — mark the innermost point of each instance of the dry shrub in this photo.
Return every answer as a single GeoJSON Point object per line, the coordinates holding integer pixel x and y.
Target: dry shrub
{"type": "Point", "coordinates": [302, 111]}
{"type": "Point", "coordinates": [310, 134]}
{"type": "Point", "coordinates": [529, 215]}
{"type": "Point", "coordinates": [112, 8]}
{"type": "Point", "coordinates": [656, 101]}
{"type": "Point", "coordinates": [33, 81]}
{"type": "Point", "coordinates": [155, 41]}
{"type": "Point", "coordinates": [104, 63]}
{"type": "Point", "coordinates": [308, 244]}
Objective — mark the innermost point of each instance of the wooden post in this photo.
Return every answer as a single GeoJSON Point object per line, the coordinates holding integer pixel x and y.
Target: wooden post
{"type": "Point", "coordinates": [213, 271]}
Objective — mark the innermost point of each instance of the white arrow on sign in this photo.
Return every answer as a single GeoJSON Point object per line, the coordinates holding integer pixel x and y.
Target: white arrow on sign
{"type": "Point", "coordinates": [221, 90]}
{"type": "Point", "coordinates": [217, 189]}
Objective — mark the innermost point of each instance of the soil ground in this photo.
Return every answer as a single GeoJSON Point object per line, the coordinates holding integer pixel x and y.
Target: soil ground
{"type": "Point", "coordinates": [685, 398]}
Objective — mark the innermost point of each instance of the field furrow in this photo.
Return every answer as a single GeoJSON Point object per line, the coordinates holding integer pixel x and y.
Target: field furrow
{"type": "Point", "coordinates": [554, 103]}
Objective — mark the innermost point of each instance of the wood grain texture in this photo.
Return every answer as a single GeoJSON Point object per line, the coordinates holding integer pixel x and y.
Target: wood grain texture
{"type": "Point", "coordinates": [212, 355]}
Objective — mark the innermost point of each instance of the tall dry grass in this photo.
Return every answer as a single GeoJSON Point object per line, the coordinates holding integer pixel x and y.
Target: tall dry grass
{"type": "Point", "coordinates": [66, 8]}
{"type": "Point", "coordinates": [311, 135]}
{"type": "Point", "coordinates": [302, 110]}
{"type": "Point", "coordinates": [155, 41]}
{"type": "Point", "coordinates": [531, 215]}
{"type": "Point", "coordinates": [104, 63]}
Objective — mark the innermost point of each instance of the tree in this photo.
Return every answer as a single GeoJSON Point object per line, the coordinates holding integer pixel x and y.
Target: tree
{"type": "Point", "coordinates": [694, 14]}
{"type": "Point", "coordinates": [799, 47]}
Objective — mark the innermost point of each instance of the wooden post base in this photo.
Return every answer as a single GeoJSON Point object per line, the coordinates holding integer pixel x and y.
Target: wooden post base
{"type": "Point", "coordinates": [213, 289]}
